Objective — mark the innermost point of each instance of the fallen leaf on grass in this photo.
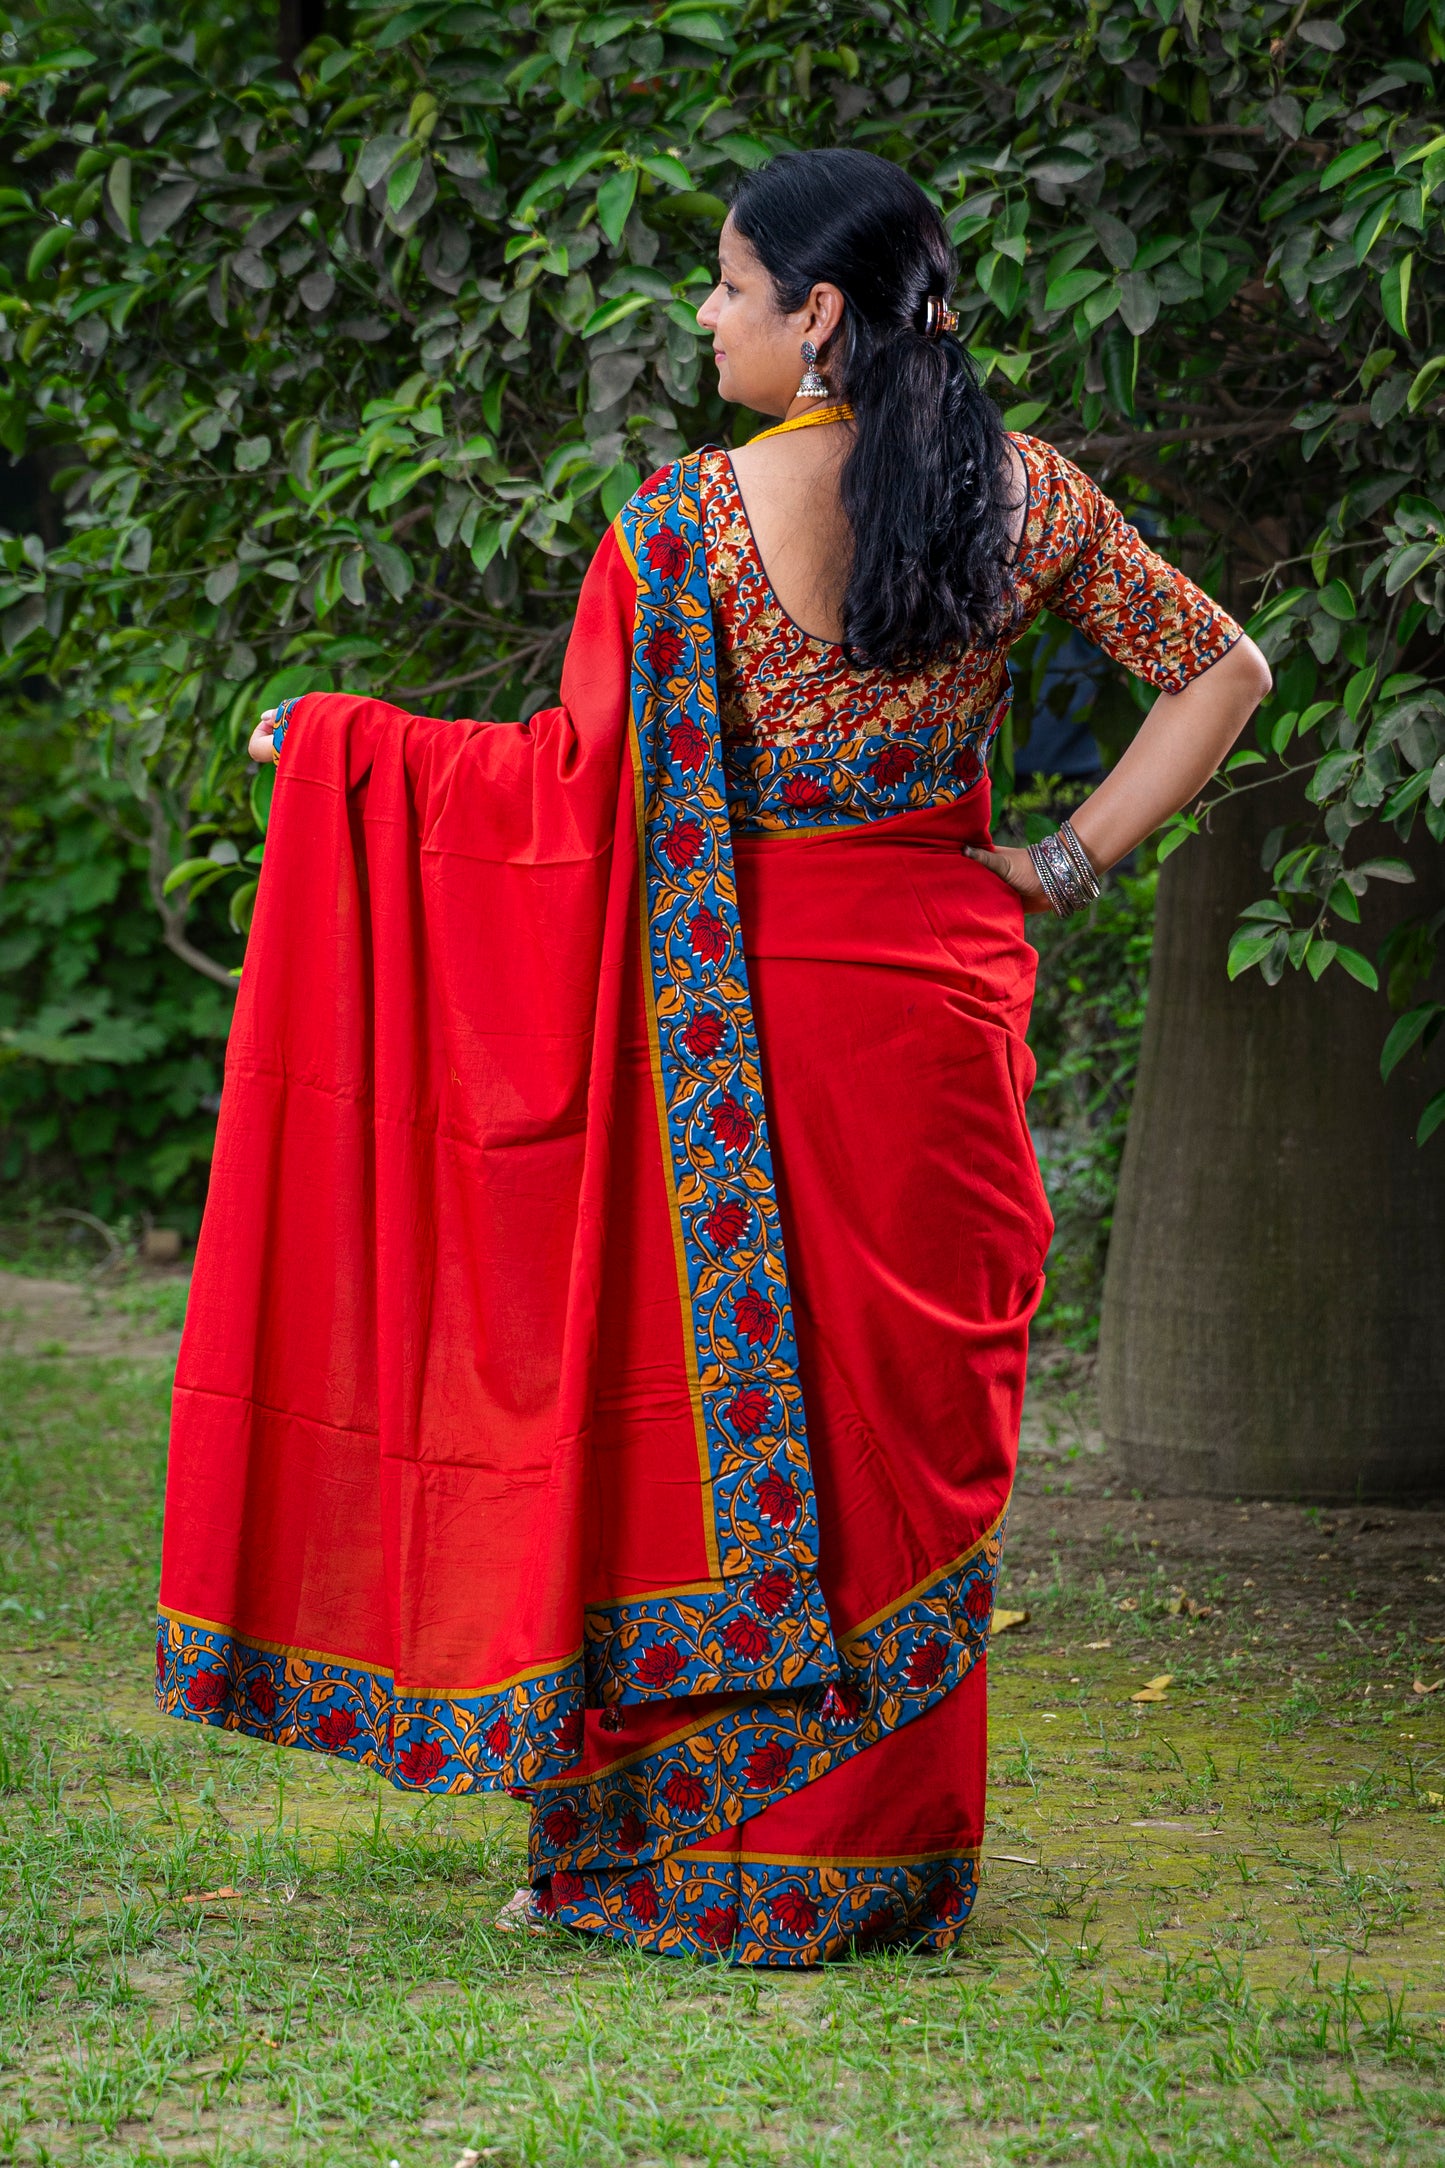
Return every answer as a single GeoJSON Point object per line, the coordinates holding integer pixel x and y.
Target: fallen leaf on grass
{"type": "Point", "coordinates": [1156, 1688]}
{"type": "Point", "coordinates": [211, 1896]}
{"type": "Point", "coordinates": [1433, 1688]}
{"type": "Point", "coordinates": [1181, 1603]}
{"type": "Point", "coordinates": [1433, 1799]}
{"type": "Point", "coordinates": [1004, 1622]}
{"type": "Point", "coordinates": [1098, 1644]}
{"type": "Point", "coordinates": [1126, 1603]}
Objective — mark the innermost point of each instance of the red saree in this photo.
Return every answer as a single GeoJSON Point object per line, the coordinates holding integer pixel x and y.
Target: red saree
{"type": "Point", "coordinates": [607, 1338]}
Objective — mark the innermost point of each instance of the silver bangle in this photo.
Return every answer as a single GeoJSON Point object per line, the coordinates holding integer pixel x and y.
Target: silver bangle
{"type": "Point", "coordinates": [1065, 870]}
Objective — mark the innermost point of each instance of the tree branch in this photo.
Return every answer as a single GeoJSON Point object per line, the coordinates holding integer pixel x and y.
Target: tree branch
{"type": "Point", "coordinates": [173, 915]}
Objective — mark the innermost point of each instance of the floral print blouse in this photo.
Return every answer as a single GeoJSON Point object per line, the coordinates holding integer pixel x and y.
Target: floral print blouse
{"type": "Point", "coordinates": [811, 741]}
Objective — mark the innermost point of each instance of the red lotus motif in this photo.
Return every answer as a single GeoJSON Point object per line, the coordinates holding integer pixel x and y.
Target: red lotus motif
{"type": "Point", "coordinates": [640, 1899]}
{"type": "Point", "coordinates": [659, 1665]}
{"type": "Point", "coordinates": [709, 937]}
{"type": "Point", "coordinates": [207, 1690]}
{"type": "Point", "coordinates": [841, 1704]}
{"type": "Point", "coordinates": [662, 650]}
{"type": "Point", "coordinates": [631, 1832]}
{"type": "Point", "coordinates": [773, 1591]}
{"type": "Point", "coordinates": [925, 1665]}
{"type": "Point", "coordinates": [685, 1791]}
{"type": "Point", "coordinates": [423, 1762]}
{"type": "Point", "coordinates": [160, 1655]}
{"type": "Point", "coordinates": [562, 1824]}
{"type": "Point", "coordinates": [684, 841]}
{"type": "Point", "coordinates": [567, 1889]}
{"type": "Point", "coordinates": [747, 1411]}
{"type": "Point", "coordinates": [778, 1502]}
{"type": "Point", "coordinates": [794, 1913]}
{"type": "Point", "coordinates": [717, 1927]}
{"type": "Point", "coordinates": [767, 1766]}
{"type": "Point", "coordinates": [688, 745]}
{"type": "Point", "coordinates": [262, 1694]}
{"type": "Point", "coordinates": [498, 1739]}
{"type": "Point", "coordinates": [666, 552]}
{"type": "Point", "coordinates": [703, 1034]}
{"type": "Point", "coordinates": [754, 1317]}
{"type": "Point", "coordinates": [978, 1601]}
{"type": "Point", "coordinates": [727, 1223]}
{"type": "Point", "coordinates": [732, 1125]}
{"type": "Point", "coordinates": [805, 791]}
{"type": "Point", "coordinates": [892, 764]}
{"type": "Point", "coordinates": [946, 1898]}
{"type": "Point", "coordinates": [569, 1732]}
{"type": "Point", "coordinates": [337, 1728]}
{"type": "Point", "coordinates": [747, 1639]}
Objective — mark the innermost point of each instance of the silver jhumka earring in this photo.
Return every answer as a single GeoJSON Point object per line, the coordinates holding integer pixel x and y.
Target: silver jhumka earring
{"type": "Point", "coordinates": [812, 386]}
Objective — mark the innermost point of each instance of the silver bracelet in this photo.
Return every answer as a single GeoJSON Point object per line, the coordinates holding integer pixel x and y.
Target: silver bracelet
{"type": "Point", "coordinates": [1065, 870]}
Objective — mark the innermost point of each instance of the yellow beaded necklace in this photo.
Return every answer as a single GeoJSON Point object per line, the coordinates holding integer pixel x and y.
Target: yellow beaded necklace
{"type": "Point", "coordinates": [838, 411]}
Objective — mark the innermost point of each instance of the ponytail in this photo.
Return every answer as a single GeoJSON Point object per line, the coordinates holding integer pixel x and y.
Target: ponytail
{"type": "Point", "coordinates": [927, 486]}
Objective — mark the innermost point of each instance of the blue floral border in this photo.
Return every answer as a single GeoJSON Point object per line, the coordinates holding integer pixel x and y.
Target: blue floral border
{"type": "Point", "coordinates": [744, 1756]}
{"type": "Point", "coordinates": [746, 1912]}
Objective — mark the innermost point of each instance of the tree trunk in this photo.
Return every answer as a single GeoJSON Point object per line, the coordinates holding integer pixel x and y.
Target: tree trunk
{"type": "Point", "coordinates": [1274, 1304]}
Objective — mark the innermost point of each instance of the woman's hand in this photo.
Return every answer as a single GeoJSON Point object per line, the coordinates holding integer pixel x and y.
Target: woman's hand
{"type": "Point", "coordinates": [261, 750]}
{"type": "Point", "coordinates": [1016, 869]}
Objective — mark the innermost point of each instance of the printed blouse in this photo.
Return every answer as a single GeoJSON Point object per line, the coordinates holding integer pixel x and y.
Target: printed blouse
{"type": "Point", "coordinates": [809, 740]}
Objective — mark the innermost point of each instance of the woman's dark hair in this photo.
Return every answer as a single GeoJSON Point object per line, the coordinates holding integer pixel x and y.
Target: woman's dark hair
{"type": "Point", "coordinates": [927, 486]}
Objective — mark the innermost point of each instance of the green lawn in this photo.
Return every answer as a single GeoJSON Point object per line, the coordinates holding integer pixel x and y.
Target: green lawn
{"type": "Point", "coordinates": [1212, 1927]}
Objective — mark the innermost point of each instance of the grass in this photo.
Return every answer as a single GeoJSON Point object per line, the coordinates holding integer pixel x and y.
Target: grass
{"type": "Point", "coordinates": [1212, 1928]}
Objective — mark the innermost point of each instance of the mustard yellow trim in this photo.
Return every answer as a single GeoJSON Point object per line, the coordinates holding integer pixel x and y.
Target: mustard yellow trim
{"type": "Point", "coordinates": [654, 1746]}
{"type": "Point", "coordinates": [625, 546]}
{"type": "Point", "coordinates": [921, 1588]}
{"type": "Point", "coordinates": [365, 1663]}
{"type": "Point", "coordinates": [820, 1859]}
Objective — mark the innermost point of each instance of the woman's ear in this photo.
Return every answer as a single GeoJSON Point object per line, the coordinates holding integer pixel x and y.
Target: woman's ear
{"type": "Point", "coordinates": [825, 306]}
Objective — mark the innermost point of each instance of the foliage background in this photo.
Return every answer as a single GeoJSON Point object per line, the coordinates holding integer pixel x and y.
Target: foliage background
{"type": "Point", "coordinates": [333, 358]}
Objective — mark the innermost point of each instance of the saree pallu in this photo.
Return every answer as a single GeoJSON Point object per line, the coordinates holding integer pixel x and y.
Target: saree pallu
{"type": "Point", "coordinates": [607, 1336]}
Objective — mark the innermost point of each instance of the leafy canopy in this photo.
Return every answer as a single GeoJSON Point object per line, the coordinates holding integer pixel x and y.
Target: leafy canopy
{"type": "Point", "coordinates": [340, 369]}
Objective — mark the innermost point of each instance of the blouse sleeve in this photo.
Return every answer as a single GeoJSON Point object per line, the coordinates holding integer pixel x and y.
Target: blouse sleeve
{"type": "Point", "coordinates": [1141, 610]}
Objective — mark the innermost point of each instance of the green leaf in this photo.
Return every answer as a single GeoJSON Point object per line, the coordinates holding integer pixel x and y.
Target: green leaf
{"type": "Point", "coordinates": [117, 189]}
{"type": "Point", "coordinates": [190, 869]}
{"type": "Point", "coordinates": [1071, 288]}
{"type": "Point", "coordinates": [394, 566]}
{"type": "Point", "coordinates": [1318, 958]}
{"type": "Point", "coordinates": [1023, 416]}
{"type": "Point", "coordinates": [1246, 950]}
{"type": "Point", "coordinates": [1431, 1119]}
{"type": "Point", "coordinates": [1337, 600]}
{"type": "Point", "coordinates": [47, 248]}
{"type": "Point", "coordinates": [1424, 382]}
{"type": "Point", "coordinates": [622, 484]}
{"type": "Point", "coordinates": [1350, 163]}
{"type": "Point", "coordinates": [1395, 293]}
{"type": "Point", "coordinates": [1405, 1032]}
{"type": "Point", "coordinates": [613, 312]}
{"type": "Point", "coordinates": [664, 167]}
{"type": "Point", "coordinates": [1359, 967]}
{"type": "Point", "coordinates": [614, 201]}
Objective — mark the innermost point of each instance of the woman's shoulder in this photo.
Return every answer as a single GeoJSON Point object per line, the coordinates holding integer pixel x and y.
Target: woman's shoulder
{"type": "Point", "coordinates": [1060, 501]}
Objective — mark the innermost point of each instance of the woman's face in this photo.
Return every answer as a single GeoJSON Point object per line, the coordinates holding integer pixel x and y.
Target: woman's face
{"type": "Point", "coordinates": [758, 350]}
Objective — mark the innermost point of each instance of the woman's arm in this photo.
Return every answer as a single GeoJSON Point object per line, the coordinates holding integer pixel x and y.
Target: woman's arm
{"type": "Point", "coordinates": [1180, 743]}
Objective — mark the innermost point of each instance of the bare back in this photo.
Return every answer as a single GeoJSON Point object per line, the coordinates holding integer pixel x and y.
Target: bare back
{"type": "Point", "coordinates": [789, 488]}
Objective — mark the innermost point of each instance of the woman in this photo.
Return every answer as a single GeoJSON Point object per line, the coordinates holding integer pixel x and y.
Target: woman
{"type": "Point", "coordinates": [606, 1354]}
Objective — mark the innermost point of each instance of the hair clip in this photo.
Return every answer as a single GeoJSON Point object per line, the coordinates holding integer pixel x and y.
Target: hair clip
{"type": "Point", "coordinates": [938, 317]}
